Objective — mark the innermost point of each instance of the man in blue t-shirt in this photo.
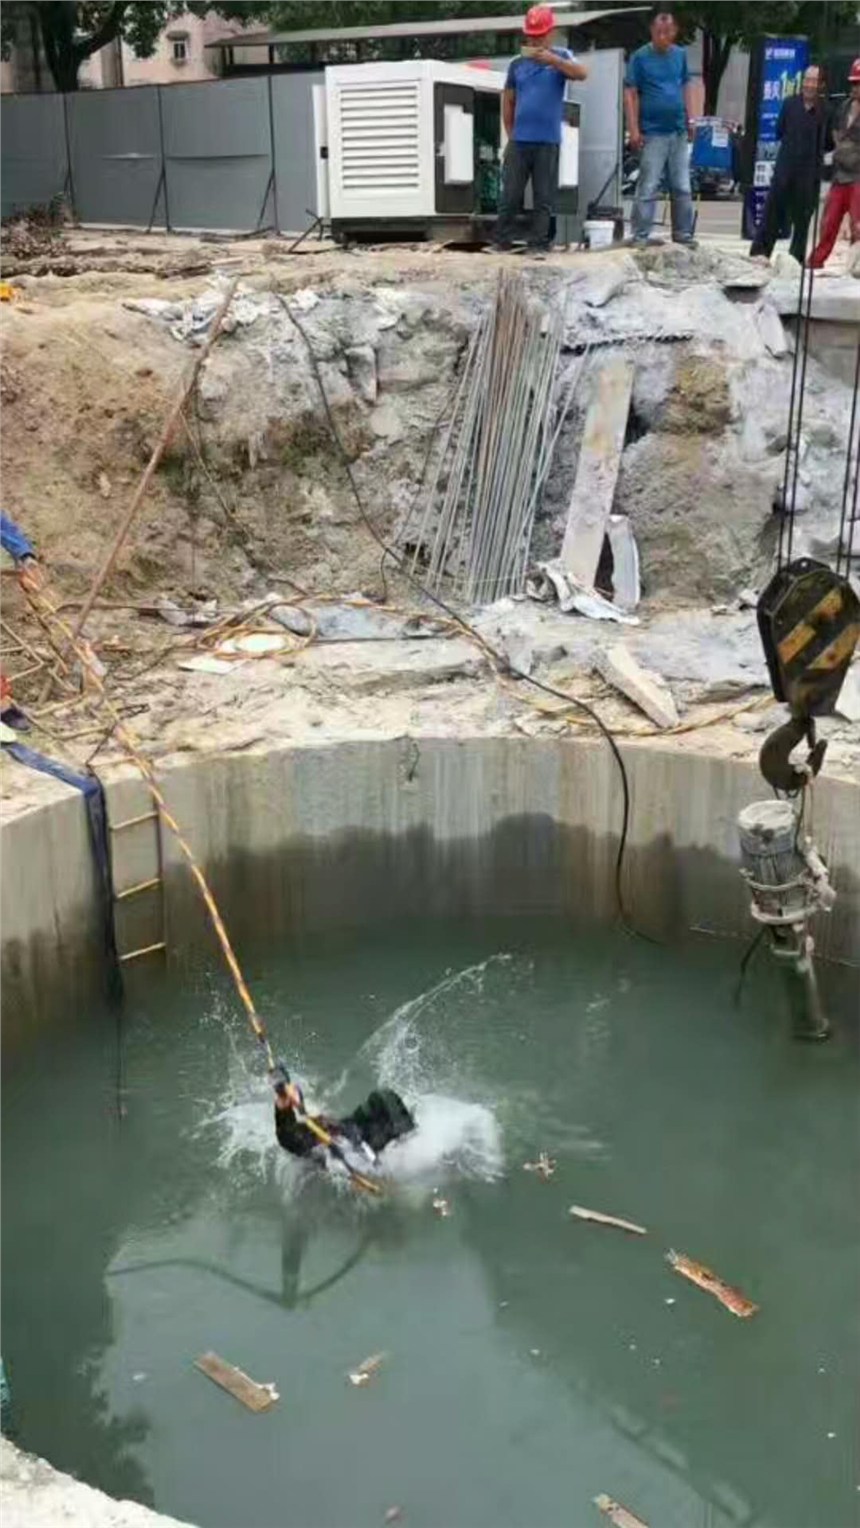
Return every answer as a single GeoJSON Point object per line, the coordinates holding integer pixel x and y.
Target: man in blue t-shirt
{"type": "Point", "coordinates": [532, 112]}
{"type": "Point", "coordinates": [657, 103]}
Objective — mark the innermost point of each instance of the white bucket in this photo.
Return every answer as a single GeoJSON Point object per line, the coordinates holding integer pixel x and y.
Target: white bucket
{"type": "Point", "coordinates": [598, 233]}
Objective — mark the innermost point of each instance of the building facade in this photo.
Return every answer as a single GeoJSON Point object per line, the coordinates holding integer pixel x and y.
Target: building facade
{"type": "Point", "coordinates": [180, 57]}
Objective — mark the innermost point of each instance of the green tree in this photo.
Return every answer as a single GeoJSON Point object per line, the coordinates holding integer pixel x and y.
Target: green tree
{"type": "Point", "coordinates": [311, 15]}
{"type": "Point", "coordinates": [70, 33]}
{"type": "Point", "coordinates": [726, 24]}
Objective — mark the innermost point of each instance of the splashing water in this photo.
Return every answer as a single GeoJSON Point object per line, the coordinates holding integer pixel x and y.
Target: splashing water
{"type": "Point", "coordinates": [410, 1052]}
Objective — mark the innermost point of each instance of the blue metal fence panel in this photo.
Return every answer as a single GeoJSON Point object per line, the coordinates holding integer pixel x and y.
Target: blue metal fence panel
{"type": "Point", "coordinates": [115, 146]}
{"type": "Point", "coordinates": [295, 150]}
{"type": "Point", "coordinates": [218, 155]}
{"type": "Point", "coordinates": [35, 162]}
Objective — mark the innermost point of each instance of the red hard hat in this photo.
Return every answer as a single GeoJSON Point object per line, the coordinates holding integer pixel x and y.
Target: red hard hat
{"type": "Point", "coordinates": [853, 78]}
{"type": "Point", "coordinates": [539, 21]}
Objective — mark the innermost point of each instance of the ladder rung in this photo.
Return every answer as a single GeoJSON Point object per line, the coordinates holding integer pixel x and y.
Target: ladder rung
{"type": "Point", "coordinates": [132, 891]}
{"type": "Point", "coordinates": [148, 949]}
{"type": "Point", "coordinates": [130, 822]}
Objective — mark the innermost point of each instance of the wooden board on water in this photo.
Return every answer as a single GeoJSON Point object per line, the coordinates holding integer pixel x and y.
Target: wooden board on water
{"type": "Point", "coordinates": [579, 1212]}
{"type": "Point", "coordinates": [255, 1397]}
{"type": "Point", "coordinates": [622, 1517]}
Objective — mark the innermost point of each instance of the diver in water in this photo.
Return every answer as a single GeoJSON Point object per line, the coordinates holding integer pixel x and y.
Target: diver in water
{"type": "Point", "coordinates": [381, 1119]}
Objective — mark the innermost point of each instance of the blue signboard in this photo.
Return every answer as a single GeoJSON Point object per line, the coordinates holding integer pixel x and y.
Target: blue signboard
{"type": "Point", "coordinates": [777, 74]}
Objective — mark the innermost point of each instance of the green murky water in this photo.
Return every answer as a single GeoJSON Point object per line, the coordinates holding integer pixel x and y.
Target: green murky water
{"type": "Point", "coordinates": [532, 1362]}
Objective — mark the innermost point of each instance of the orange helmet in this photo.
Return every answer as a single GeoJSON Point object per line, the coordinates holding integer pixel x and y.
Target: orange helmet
{"type": "Point", "coordinates": [853, 78]}
{"type": "Point", "coordinates": [539, 22]}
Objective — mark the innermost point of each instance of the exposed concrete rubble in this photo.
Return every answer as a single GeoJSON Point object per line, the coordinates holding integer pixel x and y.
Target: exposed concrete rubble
{"type": "Point", "coordinates": [37, 1496]}
{"type": "Point", "coordinates": [253, 520]}
{"type": "Point", "coordinates": [254, 498]}
{"type": "Point", "coordinates": [646, 690]}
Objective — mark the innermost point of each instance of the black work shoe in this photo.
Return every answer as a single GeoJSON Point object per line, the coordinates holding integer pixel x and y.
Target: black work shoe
{"type": "Point", "coordinates": [14, 717]}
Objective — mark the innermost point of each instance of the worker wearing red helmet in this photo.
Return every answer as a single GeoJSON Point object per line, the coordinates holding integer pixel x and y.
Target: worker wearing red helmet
{"type": "Point", "coordinates": [843, 198]}
{"type": "Point", "coordinates": [532, 111]}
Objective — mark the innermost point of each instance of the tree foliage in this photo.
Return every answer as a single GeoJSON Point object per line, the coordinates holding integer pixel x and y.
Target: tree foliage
{"type": "Point", "coordinates": [70, 33]}
{"type": "Point", "coordinates": [726, 24]}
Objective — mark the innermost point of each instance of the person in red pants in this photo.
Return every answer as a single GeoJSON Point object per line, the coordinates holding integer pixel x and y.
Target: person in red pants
{"type": "Point", "coordinates": [844, 194]}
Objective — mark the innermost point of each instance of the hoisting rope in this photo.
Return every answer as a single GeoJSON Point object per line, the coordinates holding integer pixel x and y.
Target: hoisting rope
{"type": "Point", "coordinates": [131, 746]}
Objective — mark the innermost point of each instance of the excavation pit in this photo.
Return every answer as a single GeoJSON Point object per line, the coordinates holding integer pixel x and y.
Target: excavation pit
{"type": "Point", "coordinates": [416, 857]}
{"type": "Point", "coordinates": [438, 918]}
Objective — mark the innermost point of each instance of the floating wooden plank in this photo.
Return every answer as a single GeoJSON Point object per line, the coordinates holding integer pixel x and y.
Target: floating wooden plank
{"type": "Point", "coordinates": [544, 1166]}
{"type": "Point", "coordinates": [697, 1273]}
{"type": "Point", "coordinates": [366, 1370]}
{"type": "Point", "coordinates": [255, 1397]}
{"type": "Point", "coordinates": [597, 472]}
{"type": "Point", "coordinates": [581, 1213]}
{"type": "Point", "coordinates": [622, 1517]}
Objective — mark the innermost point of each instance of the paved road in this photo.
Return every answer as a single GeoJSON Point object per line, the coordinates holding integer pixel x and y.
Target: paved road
{"type": "Point", "coordinates": [718, 221]}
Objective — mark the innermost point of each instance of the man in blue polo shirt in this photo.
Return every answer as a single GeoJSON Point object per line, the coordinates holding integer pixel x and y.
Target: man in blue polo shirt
{"type": "Point", "coordinates": [532, 112]}
{"type": "Point", "coordinates": [657, 104]}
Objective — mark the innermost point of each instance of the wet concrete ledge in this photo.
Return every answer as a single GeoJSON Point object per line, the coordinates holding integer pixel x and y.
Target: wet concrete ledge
{"type": "Point", "coordinates": [297, 838]}
{"type": "Point", "coordinates": [35, 1495]}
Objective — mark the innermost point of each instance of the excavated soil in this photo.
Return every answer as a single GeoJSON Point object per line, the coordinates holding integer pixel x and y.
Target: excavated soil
{"type": "Point", "coordinates": [253, 496]}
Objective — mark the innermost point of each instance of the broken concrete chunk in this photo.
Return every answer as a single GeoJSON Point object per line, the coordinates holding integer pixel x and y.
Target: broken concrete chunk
{"type": "Point", "coordinates": [304, 299]}
{"type": "Point", "coordinates": [608, 278]}
{"type": "Point", "coordinates": [293, 618]}
{"type": "Point", "coordinates": [371, 666]}
{"type": "Point", "coordinates": [771, 330]}
{"type": "Point", "coordinates": [626, 586]}
{"type": "Point", "coordinates": [647, 690]}
{"type": "Point", "coordinates": [361, 364]}
{"type": "Point", "coordinates": [597, 471]}
{"type": "Point", "coordinates": [200, 614]}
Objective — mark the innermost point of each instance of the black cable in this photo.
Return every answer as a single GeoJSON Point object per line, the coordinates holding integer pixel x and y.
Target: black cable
{"type": "Point", "coordinates": [846, 485]}
{"type": "Point", "coordinates": [805, 357]}
{"type": "Point", "coordinates": [454, 615]}
{"type": "Point", "coordinates": [747, 957]}
{"type": "Point", "coordinates": [789, 441]}
{"type": "Point", "coordinates": [849, 553]}
{"type": "Point", "coordinates": [801, 354]}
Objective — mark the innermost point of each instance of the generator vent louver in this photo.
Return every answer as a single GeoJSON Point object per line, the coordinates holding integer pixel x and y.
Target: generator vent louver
{"type": "Point", "coordinates": [379, 133]}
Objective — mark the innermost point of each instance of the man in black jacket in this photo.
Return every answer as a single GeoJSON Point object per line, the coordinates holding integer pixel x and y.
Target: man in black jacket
{"type": "Point", "coordinates": [381, 1119]}
{"type": "Point", "coordinates": [804, 137]}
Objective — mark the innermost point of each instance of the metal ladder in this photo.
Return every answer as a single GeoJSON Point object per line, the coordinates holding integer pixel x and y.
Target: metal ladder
{"type": "Point", "coordinates": [149, 885]}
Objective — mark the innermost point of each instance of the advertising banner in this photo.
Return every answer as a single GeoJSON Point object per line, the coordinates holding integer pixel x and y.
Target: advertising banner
{"type": "Point", "coordinates": [777, 66]}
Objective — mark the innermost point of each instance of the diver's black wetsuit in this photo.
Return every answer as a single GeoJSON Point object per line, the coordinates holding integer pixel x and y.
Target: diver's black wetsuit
{"type": "Point", "coordinates": [381, 1119]}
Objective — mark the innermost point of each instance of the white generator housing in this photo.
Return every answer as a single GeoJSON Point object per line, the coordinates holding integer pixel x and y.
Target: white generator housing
{"type": "Point", "coordinates": [400, 144]}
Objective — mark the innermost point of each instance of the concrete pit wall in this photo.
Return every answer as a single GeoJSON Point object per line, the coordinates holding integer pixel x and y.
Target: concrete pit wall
{"type": "Point", "coordinates": [299, 838]}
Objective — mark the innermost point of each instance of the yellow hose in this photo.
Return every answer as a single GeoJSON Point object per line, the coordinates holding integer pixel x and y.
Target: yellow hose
{"type": "Point", "coordinates": [42, 605]}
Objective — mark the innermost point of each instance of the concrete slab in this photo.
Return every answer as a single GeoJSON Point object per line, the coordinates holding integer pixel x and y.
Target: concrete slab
{"type": "Point", "coordinates": [835, 299]}
{"type": "Point", "coordinates": [37, 1496]}
{"type": "Point", "coordinates": [366, 667]}
{"type": "Point", "coordinates": [648, 691]}
{"type": "Point", "coordinates": [597, 472]}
